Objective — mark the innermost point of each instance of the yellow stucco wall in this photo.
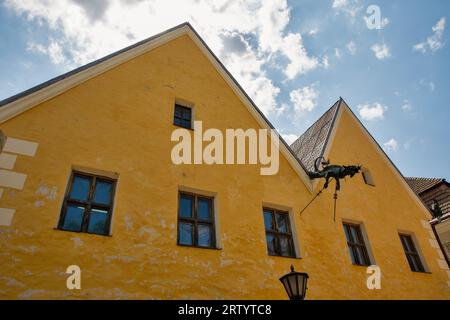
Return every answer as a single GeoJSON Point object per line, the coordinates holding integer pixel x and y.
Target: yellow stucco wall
{"type": "Point", "coordinates": [121, 121]}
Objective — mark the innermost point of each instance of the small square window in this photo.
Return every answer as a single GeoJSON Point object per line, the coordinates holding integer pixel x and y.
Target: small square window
{"type": "Point", "coordinates": [88, 204]}
{"type": "Point", "coordinates": [182, 116]}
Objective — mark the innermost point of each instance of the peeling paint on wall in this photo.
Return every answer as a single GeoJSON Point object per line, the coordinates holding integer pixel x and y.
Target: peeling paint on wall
{"type": "Point", "coordinates": [30, 293]}
{"type": "Point", "coordinates": [128, 222]}
{"type": "Point", "coordinates": [151, 232]}
{"type": "Point", "coordinates": [77, 242]}
{"type": "Point", "coordinates": [49, 193]}
{"type": "Point", "coordinates": [39, 203]}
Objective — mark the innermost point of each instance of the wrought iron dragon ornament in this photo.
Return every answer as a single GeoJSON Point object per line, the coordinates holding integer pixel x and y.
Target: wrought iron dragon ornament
{"type": "Point", "coordinates": [323, 169]}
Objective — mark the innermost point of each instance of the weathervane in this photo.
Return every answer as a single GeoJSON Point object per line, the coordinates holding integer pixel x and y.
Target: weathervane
{"type": "Point", "coordinates": [323, 169]}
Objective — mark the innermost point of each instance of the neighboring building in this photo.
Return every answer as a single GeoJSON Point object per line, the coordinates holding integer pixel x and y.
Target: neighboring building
{"type": "Point", "coordinates": [438, 190]}
{"type": "Point", "coordinates": [87, 179]}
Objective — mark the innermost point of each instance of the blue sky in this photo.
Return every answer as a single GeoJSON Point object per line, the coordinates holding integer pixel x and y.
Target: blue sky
{"type": "Point", "coordinates": [294, 58]}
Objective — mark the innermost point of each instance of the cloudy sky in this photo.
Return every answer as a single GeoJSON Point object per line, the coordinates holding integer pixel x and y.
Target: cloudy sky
{"type": "Point", "coordinates": [294, 58]}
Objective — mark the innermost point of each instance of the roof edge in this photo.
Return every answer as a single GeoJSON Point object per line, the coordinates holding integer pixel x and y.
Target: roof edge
{"type": "Point", "coordinates": [333, 123]}
{"type": "Point", "coordinates": [393, 166]}
{"type": "Point", "coordinates": [56, 79]}
{"type": "Point", "coordinates": [21, 102]}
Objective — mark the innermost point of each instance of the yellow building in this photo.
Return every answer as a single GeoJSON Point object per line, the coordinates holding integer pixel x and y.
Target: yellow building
{"type": "Point", "coordinates": [87, 179]}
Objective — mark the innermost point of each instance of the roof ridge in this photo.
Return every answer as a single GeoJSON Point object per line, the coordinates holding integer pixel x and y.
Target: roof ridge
{"type": "Point", "coordinates": [313, 142]}
{"type": "Point", "coordinates": [60, 77]}
{"type": "Point", "coordinates": [331, 125]}
{"type": "Point", "coordinates": [424, 178]}
{"type": "Point", "coordinates": [323, 114]}
{"type": "Point", "coordinates": [15, 105]}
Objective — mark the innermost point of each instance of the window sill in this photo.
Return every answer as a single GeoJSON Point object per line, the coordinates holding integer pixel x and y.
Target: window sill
{"type": "Point", "coordinates": [284, 257]}
{"type": "Point", "coordinates": [87, 233]}
{"type": "Point", "coordinates": [197, 247]}
{"type": "Point", "coordinates": [362, 265]}
{"type": "Point", "coordinates": [421, 272]}
{"type": "Point", "coordinates": [175, 125]}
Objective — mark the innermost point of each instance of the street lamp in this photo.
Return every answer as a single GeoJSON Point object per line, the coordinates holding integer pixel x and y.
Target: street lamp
{"type": "Point", "coordinates": [295, 284]}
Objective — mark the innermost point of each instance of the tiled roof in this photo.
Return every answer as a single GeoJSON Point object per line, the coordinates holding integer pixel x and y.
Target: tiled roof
{"type": "Point", "coordinates": [311, 144]}
{"type": "Point", "coordinates": [421, 184]}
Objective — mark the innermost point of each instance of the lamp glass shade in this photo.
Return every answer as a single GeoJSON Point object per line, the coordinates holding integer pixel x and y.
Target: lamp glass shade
{"type": "Point", "coordinates": [295, 284]}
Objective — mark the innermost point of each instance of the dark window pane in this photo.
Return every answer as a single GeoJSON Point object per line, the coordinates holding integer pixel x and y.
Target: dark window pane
{"type": "Point", "coordinates": [356, 244]}
{"type": "Point", "coordinates": [80, 188]}
{"type": "Point", "coordinates": [282, 222]}
{"type": "Point", "coordinates": [411, 253]}
{"type": "Point", "coordinates": [204, 209]}
{"type": "Point", "coordinates": [182, 123]}
{"type": "Point", "coordinates": [347, 233]}
{"type": "Point", "coordinates": [182, 116]}
{"type": "Point", "coordinates": [186, 206]}
{"type": "Point", "coordinates": [268, 221]}
{"type": "Point", "coordinates": [204, 235]}
{"type": "Point", "coordinates": [361, 257]}
{"type": "Point", "coordinates": [354, 234]}
{"type": "Point", "coordinates": [185, 233]}
{"type": "Point", "coordinates": [97, 221]}
{"type": "Point", "coordinates": [418, 263]}
{"type": "Point", "coordinates": [285, 246]}
{"type": "Point", "coordinates": [102, 194]}
{"type": "Point", "coordinates": [182, 112]}
{"type": "Point", "coordinates": [412, 263]}
{"type": "Point", "coordinates": [352, 255]}
{"type": "Point", "coordinates": [185, 123]}
{"type": "Point", "coordinates": [409, 244]}
{"type": "Point", "coordinates": [271, 244]}
{"type": "Point", "coordinates": [73, 218]}
{"type": "Point", "coordinates": [406, 244]}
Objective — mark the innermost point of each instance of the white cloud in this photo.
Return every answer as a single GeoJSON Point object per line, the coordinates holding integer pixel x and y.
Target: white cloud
{"type": "Point", "coordinates": [325, 62]}
{"type": "Point", "coordinates": [430, 84]}
{"type": "Point", "coordinates": [407, 144]}
{"type": "Point", "coordinates": [281, 110]}
{"type": "Point", "coordinates": [313, 32]}
{"type": "Point", "coordinates": [372, 112]}
{"type": "Point", "coordinates": [435, 41]}
{"type": "Point", "coordinates": [304, 99]}
{"type": "Point", "coordinates": [54, 52]}
{"type": "Point", "coordinates": [391, 145]}
{"type": "Point", "coordinates": [294, 50]}
{"type": "Point", "coordinates": [350, 7]}
{"type": "Point", "coordinates": [36, 48]}
{"type": "Point", "coordinates": [290, 138]}
{"type": "Point", "coordinates": [406, 106]}
{"type": "Point", "coordinates": [83, 31]}
{"type": "Point", "coordinates": [351, 47]}
{"type": "Point", "coordinates": [338, 4]}
{"type": "Point", "coordinates": [383, 23]}
{"type": "Point", "coordinates": [337, 53]}
{"type": "Point", "coordinates": [247, 68]}
{"type": "Point", "coordinates": [381, 51]}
